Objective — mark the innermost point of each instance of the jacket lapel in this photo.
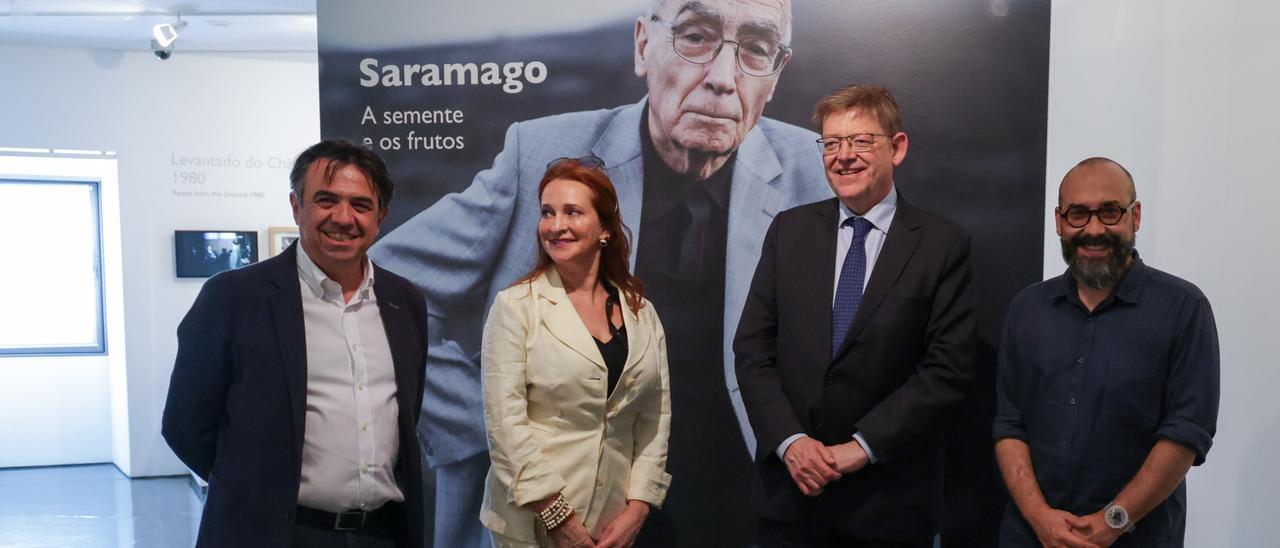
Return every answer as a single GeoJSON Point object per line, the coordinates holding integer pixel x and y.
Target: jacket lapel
{"type": "Point", "coordinates": [562, 319]}
{"type": "Point", "coordinates": [821, 277]}
{"type": "Point", "coordinates": [291, 336]}
{"type": "Point", "coordinates": [638, 338]}
{"type": "Point", "coordinates": [619, 147]}
{"type": "Point", "coordinates": [899, 245]}
{"type": "Point", "coordinates": [396, 322]}
{"type": "Point", "coordinates": [754, 199]}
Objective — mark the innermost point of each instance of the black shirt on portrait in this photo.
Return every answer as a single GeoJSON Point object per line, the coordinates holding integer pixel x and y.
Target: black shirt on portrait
{"type": "Point", "coordinates": [680, 256]}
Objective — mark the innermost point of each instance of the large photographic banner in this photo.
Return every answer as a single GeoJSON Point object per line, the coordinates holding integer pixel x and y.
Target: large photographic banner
{"type": "Point", "coordinates": [468, 102]}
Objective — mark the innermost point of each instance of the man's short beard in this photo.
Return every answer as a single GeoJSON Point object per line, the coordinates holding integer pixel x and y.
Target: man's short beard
{"type": "Point", "coordinates": [1098, 273]}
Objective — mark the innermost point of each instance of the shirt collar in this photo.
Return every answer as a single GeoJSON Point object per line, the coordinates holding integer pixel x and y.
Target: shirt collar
{"type": "Point", "coordinates": [315, 279]}
{"type": "Point", "coordinates": [880, 215]}
{"type": "Point", "coordinates": [1127, 291]}
{"type": "Point", "coordinates": [1061, 286]}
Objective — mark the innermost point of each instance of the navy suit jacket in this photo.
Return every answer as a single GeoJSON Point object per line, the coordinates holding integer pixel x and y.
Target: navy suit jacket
{"type": "Point", "coordinates": [906, 362]}
{"type": "Point", "coordinates": [237, 398]}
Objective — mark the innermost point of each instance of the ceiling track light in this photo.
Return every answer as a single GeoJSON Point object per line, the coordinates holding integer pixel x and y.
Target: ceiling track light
{"type": "Point", "coordinates": [164, 35]}
{"type": "Point", "coordinates": [167, 33]}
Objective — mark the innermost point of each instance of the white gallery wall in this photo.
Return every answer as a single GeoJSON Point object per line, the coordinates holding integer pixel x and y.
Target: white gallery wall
{"type": "Point", "coordinates": [1185, 94]}
{"type": "Point", "coordinates": [203, 142]}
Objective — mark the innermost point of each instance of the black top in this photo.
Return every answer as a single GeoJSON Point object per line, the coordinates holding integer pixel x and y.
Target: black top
{"type": "Point", "coordinates": [1091, 392]}
{"type": "Point", "coordinates": [614, 351]}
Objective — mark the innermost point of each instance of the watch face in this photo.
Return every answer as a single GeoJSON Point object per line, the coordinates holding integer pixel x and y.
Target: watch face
{"type": "Point", "coordinates": [1117, 517]}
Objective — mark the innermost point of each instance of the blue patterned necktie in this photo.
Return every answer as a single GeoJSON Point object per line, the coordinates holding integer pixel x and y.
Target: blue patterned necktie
{"type": "Point", "coordinates": [849, 290]}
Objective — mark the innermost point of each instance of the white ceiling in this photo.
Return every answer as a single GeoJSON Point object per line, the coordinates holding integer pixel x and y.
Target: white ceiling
{"type": "Point", "coordinates": [212, 25]}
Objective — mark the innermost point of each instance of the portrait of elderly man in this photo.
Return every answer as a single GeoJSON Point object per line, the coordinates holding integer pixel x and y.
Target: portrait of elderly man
{"type": "Point", "coordinates": [700, 174]}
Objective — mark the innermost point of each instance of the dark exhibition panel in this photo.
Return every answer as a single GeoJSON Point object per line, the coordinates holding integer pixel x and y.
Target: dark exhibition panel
{"type": "Point", "coordinates": [972, 81]}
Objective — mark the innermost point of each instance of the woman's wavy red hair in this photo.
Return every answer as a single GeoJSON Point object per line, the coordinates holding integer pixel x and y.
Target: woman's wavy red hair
{"type": "Point", "coordinates": [614, 266]}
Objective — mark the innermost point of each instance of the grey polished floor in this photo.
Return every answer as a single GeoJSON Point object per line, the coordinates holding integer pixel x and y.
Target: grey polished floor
{"type": "Point", "coordinates": [94, 506]}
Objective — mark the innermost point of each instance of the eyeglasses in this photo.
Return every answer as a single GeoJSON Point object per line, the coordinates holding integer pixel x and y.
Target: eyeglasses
{"type": "Point", "coordinates": [858, 142]}
{"type": "Point", "coordinates": [700, 44]}
{"type": "Point", "coordinates": [1109, 214]}
{"type": "Point", "coordinates": [589, 161]}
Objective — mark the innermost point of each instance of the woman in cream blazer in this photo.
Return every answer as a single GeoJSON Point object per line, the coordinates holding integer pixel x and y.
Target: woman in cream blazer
{"type": "Point", "coordinates": [570, 458]}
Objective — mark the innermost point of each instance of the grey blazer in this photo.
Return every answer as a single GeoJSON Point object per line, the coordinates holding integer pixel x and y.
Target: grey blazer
{"type": "Point", "coordinates": [468, 246]}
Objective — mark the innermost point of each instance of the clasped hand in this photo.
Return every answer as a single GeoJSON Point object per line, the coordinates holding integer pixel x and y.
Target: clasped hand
{"type": "Point", "coordinates": [813, 465]}
{"type": "Point", "coordinates": [619, 533]}
{"type": "Point", "coordinates": [1061, 529]}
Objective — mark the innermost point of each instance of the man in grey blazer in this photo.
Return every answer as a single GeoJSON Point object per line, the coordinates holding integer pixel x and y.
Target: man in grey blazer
{"type": "Point", "coordinates": [700, 175]}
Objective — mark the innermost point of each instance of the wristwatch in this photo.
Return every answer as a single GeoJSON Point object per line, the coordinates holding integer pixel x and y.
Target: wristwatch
{"type": "Point", "coordinates": [1117, 517]}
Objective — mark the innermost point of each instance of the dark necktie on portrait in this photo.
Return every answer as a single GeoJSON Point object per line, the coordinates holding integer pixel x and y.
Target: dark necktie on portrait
{"type": "Point", "coordinates": [697, 211]}
{"type": "Point", "coordinates": [849, 289]}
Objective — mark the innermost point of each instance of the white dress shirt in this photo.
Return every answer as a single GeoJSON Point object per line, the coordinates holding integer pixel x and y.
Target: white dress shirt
{"type": "Point", "coordinates": [880, 216]}
{"type": "Point", "coordinates": [352, 440]}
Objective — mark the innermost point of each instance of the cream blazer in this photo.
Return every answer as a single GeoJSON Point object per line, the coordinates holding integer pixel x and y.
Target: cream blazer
{"type": "Point", "coordinates": [551, 427]}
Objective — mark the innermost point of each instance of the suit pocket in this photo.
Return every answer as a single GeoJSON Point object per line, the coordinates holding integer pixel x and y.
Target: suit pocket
{"type": "Point", "coordinates": [906, 303]}
{"type": "Point", "coordinates": [904, 313]}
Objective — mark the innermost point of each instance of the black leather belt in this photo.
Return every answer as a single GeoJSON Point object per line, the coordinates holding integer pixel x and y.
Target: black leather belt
{"type": "Point", "coordinates": [351, 520]}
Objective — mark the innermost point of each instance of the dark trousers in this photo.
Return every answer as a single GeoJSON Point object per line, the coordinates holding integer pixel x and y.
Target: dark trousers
{"type": "Point", "coordinates": [309, 537]}
{"type": "Point", "coordinates": [814, 533]}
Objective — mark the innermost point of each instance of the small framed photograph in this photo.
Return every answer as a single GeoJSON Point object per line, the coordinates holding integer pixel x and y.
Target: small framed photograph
{"type": "Point", "coordinates": [281, 238]}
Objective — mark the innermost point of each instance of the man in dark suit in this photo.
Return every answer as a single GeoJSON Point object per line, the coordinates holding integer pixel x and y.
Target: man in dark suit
{"type": "Point", "coordinates": [298, 380]}
{"type": "Point", "coordinates": [857, 337]}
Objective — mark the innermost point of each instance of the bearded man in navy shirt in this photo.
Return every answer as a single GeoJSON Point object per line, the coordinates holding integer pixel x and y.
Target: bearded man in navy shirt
{"type": "Point", "coordinates": [1108, 383]}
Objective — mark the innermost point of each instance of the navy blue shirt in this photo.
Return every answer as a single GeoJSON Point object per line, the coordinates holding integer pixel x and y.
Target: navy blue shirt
{"type": "Point", "coordinates": [1091, 392]}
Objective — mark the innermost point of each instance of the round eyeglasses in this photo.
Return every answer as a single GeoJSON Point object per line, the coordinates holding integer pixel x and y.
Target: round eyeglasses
{"type": "Point", "coordinates": [1078, 216]}
{"type": "Point", "coordinates": [700, 44]}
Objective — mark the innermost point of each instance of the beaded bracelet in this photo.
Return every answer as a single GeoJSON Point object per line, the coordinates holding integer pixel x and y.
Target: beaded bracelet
{"type": "Point", "coordinates": [555, 515]}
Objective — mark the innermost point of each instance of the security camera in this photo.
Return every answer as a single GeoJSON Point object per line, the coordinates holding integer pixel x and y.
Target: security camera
{"type": "Point", "coordinates": [160, 51]}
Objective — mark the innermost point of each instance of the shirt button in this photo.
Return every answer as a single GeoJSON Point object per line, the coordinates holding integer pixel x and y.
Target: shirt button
{"type": "Point", "coordinates": [1064, 443]}
{"type": "Point", "coordinates": [365, 426]}
{"type": "Point", "coordinates": [1080, 359]}
{"type": "Point", "coordinates": [1073, 401]}
{"type": "Point", "coordinates": [830, 380]}
{"type": "Point", "coordinates": [360, 387]}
